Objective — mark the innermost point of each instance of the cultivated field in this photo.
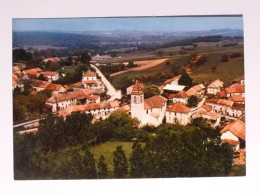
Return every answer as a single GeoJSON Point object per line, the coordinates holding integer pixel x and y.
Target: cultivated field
{"type": "Point", "coordinates": [142, 65]}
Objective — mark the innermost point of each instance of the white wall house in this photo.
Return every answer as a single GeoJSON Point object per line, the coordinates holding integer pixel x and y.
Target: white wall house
{"type": "Point", "coordinates": [236, 111]}
{"type": "Point", "coordinates": [180, 97]}
{"type": "Point", "coordinates": [149, 111]}
{"type": "Point", "coordinates": [51, 76]}
{"type": "Point", "coordinates": [178, 113]}
{"type": "Point", "coordinates": [234, 133]}
{"type": "Point", "coordinates": [220, 105]}
{"type": "Point", "coordinates": [214, 87]}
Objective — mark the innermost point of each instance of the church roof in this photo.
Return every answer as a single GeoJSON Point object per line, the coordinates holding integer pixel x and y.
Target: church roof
{"type": "Point", "coordinates": [154, 102]}
{"type": "Point", "coordinates": [137, 90]}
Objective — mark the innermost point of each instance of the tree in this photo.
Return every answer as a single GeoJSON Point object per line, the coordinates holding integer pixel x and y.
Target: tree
{"type": "Point", "coordinates": [120, 163]}
{"type": "Point", "coordinates": [224, 58]}
{"type": "Point", "coordinates": [21, 55]}
{"type": "Point", "coordinates": [151, 90]}
{"type": "Point", "coordinates": [85, 58]}
{"type": "Point", "coordinates": [137, 167]}
{"type": "Point", "coordinates": [89, 165]}
{"type": "Point", "coordinates": [185, 79]}
{"type": "Point", "coordinates": [192, 101]}
{"type": "Point", "coordinates": [102, 168]}
{"type": "Point", "coordinates": [183, 151]}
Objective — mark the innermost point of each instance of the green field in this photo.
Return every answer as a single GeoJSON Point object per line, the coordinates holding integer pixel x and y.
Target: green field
{"type": "Point", "coordinates": [225, 71]}
{"type": "Point", "coordinates": [176, 60]}
{"type": "Point", "coordinates": [107, 149]}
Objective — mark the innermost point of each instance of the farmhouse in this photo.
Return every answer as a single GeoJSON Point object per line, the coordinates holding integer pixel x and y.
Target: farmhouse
{"type": "Point", "coordinates": [101, 109]}
{"type": "Point", "coordinates": [234, 134]}
{"type": "Point", "coordinates": [63, 100]}
{"type": "Point", "coordinates": [32, 73]}
{"type": "Point", "coordinates": [214, 87]}
{"type": "Point", "coordinates": [55, 88]}
{"type": "Point", "coordinates": [149, 111]}
{"type": "Point", "coordinates": [237, 110]}
{"type": "Point", "coordinates": [54, 59]}
{"type": "Point", "coordinates": [198, 90]}
{"type": "Point", "coordinates": [101, 57]}
{"type": "Point", "coordinates": [89, 79]}
{"type": "Point", "coordinates": [39, 85]}
{"type": "Point", "coordinates": [51, 76]}
{"type": "Point", "coordinates": [178, 113]}
{"type": "Point", "coordinates": [180, 97]}
{"type": "Point", "coordinates": [219, 105]}
{"type": "Point", "coordinates": [234, 90]}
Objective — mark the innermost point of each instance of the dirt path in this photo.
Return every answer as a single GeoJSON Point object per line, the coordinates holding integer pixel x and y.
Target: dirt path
{"type": "Point", "coordinates": [142, 65]}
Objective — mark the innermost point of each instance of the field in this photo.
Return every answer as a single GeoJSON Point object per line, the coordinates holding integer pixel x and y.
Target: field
{"type": "Point", "coordinates": [225, 71]}
{"type": "Point", "coordinates": [107, 149]}
{"type": "Point", "coordinates": [162, 67]}
{"type": "Point", "coordinates": [142, 65]}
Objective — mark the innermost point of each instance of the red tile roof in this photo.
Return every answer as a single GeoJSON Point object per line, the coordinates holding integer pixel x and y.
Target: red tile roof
{"type": "Point", "coordinates": [78, 94]}
{"type": "Point", "coordinates": [34, 72]}
{"type": "Point", "coordinates": [48, 73]}
{"type": "Point", "coordinates": [171, 96]}
{"type": "Point", "coordinates": [94, 97]}
{"type": "Point", "coordinates": [90, 82]}
{"type": "Point", "coordinates": [39, 83]}
{"type": "Point", "coordinates": [178, 107]}
{"type": "Point", "coordinates": [191, 92]}
{"type": "Point", "coordinates": [181, 94]}
{"type": "Point", "coordinates": [222, 94]}
{"type": "Point", "coordinates": [89, 74]}
{"type": "Point", "coordinates": [237, 98]}
{"type": "Point", "coordinates": [216, 84]}
{"type": "Point", "coordinates": [237, 128]}
{"type": "Point", "coordinates": [137, 90]}
{"type": "Point", "coordinates": [88, 91]}
{"type": "Point", "coordinates": [221, 101]}
{"type": "Point", "coordinates": [53, 87]}
{"type": "Point", "coordinates": [154, 102]}
{"type": "Point", "coordinates": [207, 107]}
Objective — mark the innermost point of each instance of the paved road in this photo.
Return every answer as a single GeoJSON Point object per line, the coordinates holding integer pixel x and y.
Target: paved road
{"type": "Point", "coordinates": [26, 123]}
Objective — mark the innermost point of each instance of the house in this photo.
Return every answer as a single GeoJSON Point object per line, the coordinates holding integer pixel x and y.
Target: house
{"type": "Point", "coordinates": [89, 79]}
{"type": "Point", "coordinates": [239, 99]}
{"type": "Point", "coordinates": [197, 90]}
{"type": "Point", "coordinates": [172, 88]}
{"type": "Point", "coordinates": [32, 73]}
{"type": "Point", "coordinates": [213, 117]}
{"type": "Point", "coordinates": [234, 134]}
{"type": "Point", "coordinates": [149, 111]}
{"type": "Point", "coordinates": [178, 113]}
{"type": "Point", "coordinates": [130, 88]}
{"type": "Point", "coordinates": [220, 105]}
{"type": "Point", "coordinates": [51, 76]}
{"type": "Point", "coordinates": [39, 85]}
{"type": "Point", "coordinates": [53, 59]}
{"type": "Point", "coordinates": [234, 90]}
{"type": "Point", "coordinates": [101, 109]}
{"type": "Point", "coordinates": [236, 110]}
{"type": "Point", "coordinates": [180, 97]}
{"type": "Point", "coordinates": [16, 82]}
{"type": "Point", "coordinates": [101, 57]}
{"type": "Point", "coordinates": [242, 81]}
{"type": "Point", "coordinates": [214, 87]}
{"type": "Point", "coordinates": [55, 88]}
{"type": "Point", "coordinates": [63, 100]}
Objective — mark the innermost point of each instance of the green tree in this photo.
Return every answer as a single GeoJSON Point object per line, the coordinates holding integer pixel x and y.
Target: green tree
{"type": "Point", "coordinates": [102, 168]}
{"type": "Point", "coordinates": [185, 79]}
{"type": "Point", "coordinates": [120, 163]}
{"type": "Point", "coordinates": [224, 58]}
{"type": "Point", "coordinates": [85, 58]}
{"type": "Point", "coordinates": [151, 90]}
{"type": "Point", "coordinates": [137, 167]}
{"type": "Point", "coordinates": [21, 55]}
{"type": "Point", "coordinates": [192, 101]}
{"type": "Point", "coordinates": [89, 165]}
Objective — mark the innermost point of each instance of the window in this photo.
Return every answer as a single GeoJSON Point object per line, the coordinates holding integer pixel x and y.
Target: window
{"type": "Point", "coordinates": [170, 118]}
{"type": "Point", "coordinates": [134, 99]}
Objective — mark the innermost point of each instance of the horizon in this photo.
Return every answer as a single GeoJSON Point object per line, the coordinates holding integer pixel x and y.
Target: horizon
{"type": "Point", "coordinates": [138, 24]}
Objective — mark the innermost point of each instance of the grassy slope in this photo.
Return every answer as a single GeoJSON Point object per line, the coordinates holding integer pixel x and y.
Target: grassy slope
{"type": "Point", "coordinates": [226, 71]}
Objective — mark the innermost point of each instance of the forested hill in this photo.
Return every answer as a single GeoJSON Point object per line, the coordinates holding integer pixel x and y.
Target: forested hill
{"type": "Point", "coordinates": [51, 38]}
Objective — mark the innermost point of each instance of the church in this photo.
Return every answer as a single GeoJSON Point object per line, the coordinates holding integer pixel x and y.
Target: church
{"type": "Point", "coordinates": [149, 111]}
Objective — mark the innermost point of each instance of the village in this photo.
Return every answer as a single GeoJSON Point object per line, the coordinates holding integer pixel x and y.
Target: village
{"type": "Point", "coordinates": [222, 105]}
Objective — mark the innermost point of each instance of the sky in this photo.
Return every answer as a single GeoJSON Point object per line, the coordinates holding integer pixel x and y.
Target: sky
{"type": "Point", "coordinates": [156, 24]}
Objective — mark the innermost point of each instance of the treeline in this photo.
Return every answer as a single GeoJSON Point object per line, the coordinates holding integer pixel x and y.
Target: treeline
{"type": "Point", "coordinates": [169, 150]}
